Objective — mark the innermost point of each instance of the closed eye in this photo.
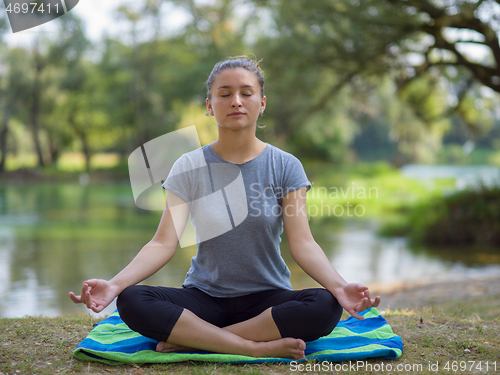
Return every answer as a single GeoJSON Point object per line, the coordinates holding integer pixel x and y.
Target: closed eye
{"type": "Point", "coordinates": [226, 95]}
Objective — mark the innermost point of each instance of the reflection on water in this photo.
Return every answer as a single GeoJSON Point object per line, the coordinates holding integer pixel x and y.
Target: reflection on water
{"type": "Point", "coordinates": [363, 257]}
{"type": "Point", "coordinates": [54, 236]}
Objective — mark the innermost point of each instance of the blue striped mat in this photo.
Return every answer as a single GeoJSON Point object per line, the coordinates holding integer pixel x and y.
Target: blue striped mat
{"type": "Point", "coordinates": [112, 342]}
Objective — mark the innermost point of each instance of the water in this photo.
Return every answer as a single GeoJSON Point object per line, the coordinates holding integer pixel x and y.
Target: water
{"type": "Point", "coordinates": [464, 176]}
{"type": "Point", "coordinates": [54, 236]}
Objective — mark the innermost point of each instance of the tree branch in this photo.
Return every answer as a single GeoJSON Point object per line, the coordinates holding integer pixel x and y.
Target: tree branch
{"type": "Point", "coordinates": [469, 21]}
{"type": "Point", "coordinates": [465, 19]}
{"type": "Point", "coordinates": [482, 73]}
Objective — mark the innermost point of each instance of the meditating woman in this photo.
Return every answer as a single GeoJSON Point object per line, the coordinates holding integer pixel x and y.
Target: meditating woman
{"type": "Point", "coordinates": [236, 297]}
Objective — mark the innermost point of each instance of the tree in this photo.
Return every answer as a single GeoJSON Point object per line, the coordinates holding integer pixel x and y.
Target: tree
{"type": "Point", "coordinates": [147, 77]}
{"type": "Point", "coordinates": [452, 25]}
{"type": "Point", "coordinates": [14, 88]}
{"type": "Point", "coordinates": [67, 58]}
{"type": "Point", "coordinates": [4, 26]}
{"type": "Point", "coordinates": [460, 44]}
{"type": "Point", "coordinates": [54, 66]}
{"type": "Point", "coordinates": [319, 48]}
{"type": "Point", "coordinates": [38, 66]}
{"type": "Point", "coordinates": [313, 52]}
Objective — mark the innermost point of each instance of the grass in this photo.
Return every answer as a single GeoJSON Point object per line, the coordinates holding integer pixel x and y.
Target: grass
{"type": "Point", "coordinates": [68, 162]}
{"type": "Point", "coordinates": [457, 333]}
{"type": "Point", "coordinates": [368, 190]}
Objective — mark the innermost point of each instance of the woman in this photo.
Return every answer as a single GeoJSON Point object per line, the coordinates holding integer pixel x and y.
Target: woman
{"type": "Point", "coordinates": [237, 297]}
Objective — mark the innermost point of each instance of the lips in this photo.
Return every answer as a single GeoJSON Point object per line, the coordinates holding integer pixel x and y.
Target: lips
{"type": "Point", "coordinates": [236, 114]}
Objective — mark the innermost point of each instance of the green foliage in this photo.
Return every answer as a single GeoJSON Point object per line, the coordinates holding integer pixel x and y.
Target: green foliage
{"type": "Point", "coordinates": [194, 114]}
{"type": "Point", "coordinates": [4, 26]}
{"type": "Point", "coordinates": [346, 80]}
{"type": "Point", "coordinates": [381, 189]}
{"type": "Point", "coordinates": [466, 217]}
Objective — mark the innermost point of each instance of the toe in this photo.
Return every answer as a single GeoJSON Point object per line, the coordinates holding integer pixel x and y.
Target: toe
{"type": "Point", "coordinates": [159, 347]}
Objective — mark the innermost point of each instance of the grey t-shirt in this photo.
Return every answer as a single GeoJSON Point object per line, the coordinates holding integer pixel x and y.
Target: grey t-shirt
{"type": "Point", "coordinates": [237, 215]}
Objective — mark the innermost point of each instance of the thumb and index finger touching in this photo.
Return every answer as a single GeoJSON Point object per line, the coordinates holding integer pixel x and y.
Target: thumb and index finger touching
{"type": "Point", "coordinates": [365, 303]}
{"type": "Point", "coordinates": [93, 295]}
{"type": "Point", "coordinates": [85, 293]}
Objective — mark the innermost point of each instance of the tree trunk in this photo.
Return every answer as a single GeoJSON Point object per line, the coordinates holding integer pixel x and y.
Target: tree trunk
{"type": "Point", "coordinates": [53, 150]}
{"type": "Point", "coordinates": [35, 108]}
{"type": "Point", "coordinates": [85, 148]}
{"type": "Point", "coordinates": [4, 131]}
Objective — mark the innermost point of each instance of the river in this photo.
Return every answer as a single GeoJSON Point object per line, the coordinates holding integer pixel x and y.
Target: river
{"type": "Point", "coordinates": [55, 235]}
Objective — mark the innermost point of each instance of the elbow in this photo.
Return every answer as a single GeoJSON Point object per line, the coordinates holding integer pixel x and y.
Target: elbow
{"type": "Point", "coordinates": [302, 248]}
{"type": "Point", "coordinates": [164, 247]}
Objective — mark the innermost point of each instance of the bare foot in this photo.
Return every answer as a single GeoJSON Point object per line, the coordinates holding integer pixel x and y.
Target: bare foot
{"type": "Point", "coordinates": [165, 347]}
{"type": "Point", "coordinates": [283, 348]}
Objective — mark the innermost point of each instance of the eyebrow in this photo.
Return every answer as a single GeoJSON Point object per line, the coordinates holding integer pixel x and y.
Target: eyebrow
{"type": "Point", "coordinates": [230, 87]}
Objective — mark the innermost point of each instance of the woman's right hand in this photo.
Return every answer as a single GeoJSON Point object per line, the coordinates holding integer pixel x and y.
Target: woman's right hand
{"type": "Point", "coordinates": [100, 294]}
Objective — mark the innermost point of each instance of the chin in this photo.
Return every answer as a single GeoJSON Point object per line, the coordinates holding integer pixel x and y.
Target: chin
{"type": "Point", "coordinates": [237, 126]}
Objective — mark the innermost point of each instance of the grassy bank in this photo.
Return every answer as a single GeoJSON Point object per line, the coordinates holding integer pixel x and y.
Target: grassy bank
{"type": "Point", "coordinates": [453, 332]}
{"type": "Point", "coordinates": [368, 191]}
{"type": "Point", "coordinates": [71, 167]}
{"type": "Point", "coordinates": [466, 217]}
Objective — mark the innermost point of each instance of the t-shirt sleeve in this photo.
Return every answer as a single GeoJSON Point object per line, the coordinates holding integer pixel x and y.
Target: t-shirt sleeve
{"type": "Point", "coordinates": [294, 176]}
{"type": "Point", "coordinates": [179, 179]}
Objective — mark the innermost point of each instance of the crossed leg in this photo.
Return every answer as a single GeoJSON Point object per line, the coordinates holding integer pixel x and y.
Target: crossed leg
{"type": "Point", "coordinates": [190, 319]}
{"type": "Point", "coordinates": [256, 337]}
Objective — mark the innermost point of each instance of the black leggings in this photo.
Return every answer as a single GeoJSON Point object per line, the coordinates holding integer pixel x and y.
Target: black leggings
{"type": "Point", "coordinates": [153, 311]}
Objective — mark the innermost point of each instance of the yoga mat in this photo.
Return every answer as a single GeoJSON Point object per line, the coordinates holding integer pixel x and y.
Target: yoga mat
{"type": "Point", "coordinates": [112, 342]}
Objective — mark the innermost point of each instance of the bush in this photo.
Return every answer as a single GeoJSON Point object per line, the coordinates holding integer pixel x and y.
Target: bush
{"type": "Point", "coordinates": [465, 217]}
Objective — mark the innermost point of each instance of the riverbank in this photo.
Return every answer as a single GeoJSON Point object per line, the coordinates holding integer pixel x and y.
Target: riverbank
{"type": "Point", "coordinates": [418, 295]}
{"type": "Point", "coordinates": [29, 175]}
{"type": "Point", "coordinates": [450, 322]}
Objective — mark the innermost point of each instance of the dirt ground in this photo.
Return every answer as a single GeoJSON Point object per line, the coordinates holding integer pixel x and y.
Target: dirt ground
{"type": "Point", "coordinates": [416, 295]}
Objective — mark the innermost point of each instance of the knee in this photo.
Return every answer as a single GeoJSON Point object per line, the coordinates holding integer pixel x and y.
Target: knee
{"type": "Point", "coordinates": [313, 315]}
{"type": "Point", "coordinates": [128, 301]}
{"type": "Point", "coordinates": [126, 297]}
{"type": "Point", "coordinates": [143, 310]}
{"type": "Point", "coordinates": [325, 315]}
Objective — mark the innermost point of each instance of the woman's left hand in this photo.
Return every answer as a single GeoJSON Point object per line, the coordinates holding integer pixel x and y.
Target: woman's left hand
{"type": "Point", "coordinates": [355, 298]}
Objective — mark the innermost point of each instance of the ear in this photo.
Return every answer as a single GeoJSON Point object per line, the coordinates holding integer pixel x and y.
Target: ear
{"type": "Point", "coordinates": [210, 110]}
{"type": "Point", "coordinates": [263, 105]}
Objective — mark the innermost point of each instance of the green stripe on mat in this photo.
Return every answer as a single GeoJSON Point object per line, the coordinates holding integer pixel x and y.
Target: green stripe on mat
{"type": "Point", "coordinates": [112, 342]}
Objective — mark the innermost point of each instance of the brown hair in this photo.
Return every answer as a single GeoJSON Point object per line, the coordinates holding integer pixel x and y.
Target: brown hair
{"type": "Point", "coordinates": [233, 63]}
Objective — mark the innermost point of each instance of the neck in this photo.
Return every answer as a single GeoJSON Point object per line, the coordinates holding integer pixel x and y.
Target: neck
{"type": "Point", "coordinates": [237, 147]}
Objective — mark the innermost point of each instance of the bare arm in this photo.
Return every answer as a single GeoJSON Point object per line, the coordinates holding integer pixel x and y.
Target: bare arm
{"type": "Point", "coordinates": [152, 257]}
{"type": "Point", "coordinates": [312, 259]}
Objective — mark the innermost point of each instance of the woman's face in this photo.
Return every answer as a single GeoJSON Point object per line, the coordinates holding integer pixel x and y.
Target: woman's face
{"type": "Point", "coordinates": [236, 100]}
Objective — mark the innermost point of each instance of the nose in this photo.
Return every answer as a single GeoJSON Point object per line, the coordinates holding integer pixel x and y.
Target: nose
{"type": "Point", "coordinates": [236, 101]}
